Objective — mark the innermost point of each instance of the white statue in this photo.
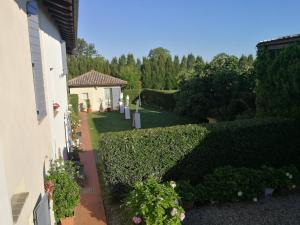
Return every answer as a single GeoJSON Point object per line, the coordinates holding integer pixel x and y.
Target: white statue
{"type": "Point", "coordinates": [127, 101]}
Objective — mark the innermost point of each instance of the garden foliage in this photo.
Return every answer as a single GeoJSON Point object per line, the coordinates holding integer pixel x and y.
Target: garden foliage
{"type": "Point", "coordinates": [278, 81]}
{"type": "Point", "coordinates": [66, 194]}
{"type": "Point", "coordinates": [152, 203]}
{"type": "Point", "coordinates": [192, 151]}
{"type": "Point", "coordinates": [223, 89]}
{"type": "Point", "coordinates": [161, 99]}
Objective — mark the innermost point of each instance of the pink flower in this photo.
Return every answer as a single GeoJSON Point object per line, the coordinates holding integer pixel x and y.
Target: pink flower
{"type": "Point", "coordinates": [136, 220]}
{"type": "Point", "coordinates": [182, 216]}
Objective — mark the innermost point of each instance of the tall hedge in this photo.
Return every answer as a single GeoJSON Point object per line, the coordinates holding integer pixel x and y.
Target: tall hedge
{"type": "Point", "coordinates": [278, 81]}
{"type": "Point", "coordinates": [162, 99]}
{"type": "Point", "coordinates": [191, 151]}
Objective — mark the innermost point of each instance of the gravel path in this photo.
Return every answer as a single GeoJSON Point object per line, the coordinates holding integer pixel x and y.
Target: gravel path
{"type": "Point", "coordinates": [273, 211]}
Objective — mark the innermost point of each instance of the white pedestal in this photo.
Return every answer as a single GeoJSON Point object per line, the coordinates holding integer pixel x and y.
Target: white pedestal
{"type": "Point", "coordinates": [127, 113]}
{"type": "Point", "coordinates": [137, 120]}
{"type": "Point", "coordinates": [122, 109]}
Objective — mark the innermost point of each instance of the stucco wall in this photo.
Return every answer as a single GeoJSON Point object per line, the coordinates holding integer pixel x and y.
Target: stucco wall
{"type": "Point", "coordinates": [55, 81]}
{"type": "Point", "coordinates": [97, 97]}
{"type": "Point", "coordinates": [26, 144]}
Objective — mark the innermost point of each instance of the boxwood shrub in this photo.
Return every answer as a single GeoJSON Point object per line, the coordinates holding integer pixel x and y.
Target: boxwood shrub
{"type": "Point", "coordinates": [189, 152]}
{"type": "Point", "coordinates": [162, 99]}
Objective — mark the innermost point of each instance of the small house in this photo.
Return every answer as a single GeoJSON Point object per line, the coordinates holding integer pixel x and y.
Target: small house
{"type": "Point", "coordinates": [102, 91]}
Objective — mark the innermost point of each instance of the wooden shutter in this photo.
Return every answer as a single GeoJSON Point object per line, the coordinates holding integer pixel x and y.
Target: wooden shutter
{"type": "Point", "coordinates": [36, 58]}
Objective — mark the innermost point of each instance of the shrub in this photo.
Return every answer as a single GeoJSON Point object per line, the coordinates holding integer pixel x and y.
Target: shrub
{"type": "Point", "coordinates": [66, 193]}
{"type": "Point", "coordinates": [73, 100]}
{"type": "Point", "coordinates": [228, 184]}
{"type": "Point", "coordinates": [158, 98]}
{"type": "Point", "coordinates": [189, 152]}
{"type": "Point", "coordinates": [152, 203]}
{"type": "Point", "coordinates": [278, 81]}
{"type": "Point", "coordinates": [133, 95]}
{"type": "Point", "coordinates": [186, 191]}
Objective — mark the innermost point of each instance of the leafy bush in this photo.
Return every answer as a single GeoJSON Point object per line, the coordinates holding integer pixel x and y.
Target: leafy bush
{"type": "Point", "coordinates": [228, 184]}
{"type": "Point", "coordinates": [278, 81]}
{"type": "Point", "coordinates": [73, 100]}
{"type": "Point", "coordinates": [133, 95]}
{"type": "Point", "coordinates": [225, 90]}
{"type": "Point", "coordinates": [158, 98]}
{"type": "Point", "coordinates": [66, 193]}
{"type": "Point", "coordinates": [191, 151]}
{"type": "Point", "coordinates": [186, 191]}
{"type": "Point", "coordinates": [152, 203]}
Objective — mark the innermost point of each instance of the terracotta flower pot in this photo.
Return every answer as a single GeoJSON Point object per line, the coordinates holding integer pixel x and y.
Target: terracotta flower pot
{"type": "Point", "coordinates": [89, 110]}
{"type": "Point", "coordinates": [67, 221]}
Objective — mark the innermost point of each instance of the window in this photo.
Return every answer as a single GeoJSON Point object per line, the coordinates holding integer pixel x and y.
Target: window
{"type": "Point", "coordinates": [84, 96]}
{"type": "Point", "coordinates": [36, 58]}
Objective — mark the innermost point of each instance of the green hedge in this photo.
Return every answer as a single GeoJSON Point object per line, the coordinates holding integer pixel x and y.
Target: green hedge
{"type": "Point", "coordinates": [278, 82]}
{"type": "Point", "coordinates": [162, 99]}
{"type": "Point", "coordinates": [191, 151]}
{"type": "Point", "coordinates": [73, 100]}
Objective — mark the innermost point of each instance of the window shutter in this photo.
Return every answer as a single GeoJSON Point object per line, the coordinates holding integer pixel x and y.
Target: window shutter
{"type": "Point", "coordinates": [64, 57]}
{"type": "Point", "coordinates": [36, 58]}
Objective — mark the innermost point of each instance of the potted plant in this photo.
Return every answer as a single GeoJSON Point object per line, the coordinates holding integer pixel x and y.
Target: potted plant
{"type": "Point", "coordinates": [66, 192]}
{"type": "Point", "coordinates": [88, 105]}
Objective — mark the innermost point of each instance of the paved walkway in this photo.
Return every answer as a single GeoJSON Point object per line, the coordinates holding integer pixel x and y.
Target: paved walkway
{"type": "Point", "coordinates": [90, 211]}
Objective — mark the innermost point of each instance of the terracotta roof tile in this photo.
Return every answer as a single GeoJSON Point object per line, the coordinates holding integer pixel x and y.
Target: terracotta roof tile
{"type": "Point", "coordinates": [94, 78]}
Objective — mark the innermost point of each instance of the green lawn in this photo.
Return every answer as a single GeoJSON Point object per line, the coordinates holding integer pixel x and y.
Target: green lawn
{"type": "Point", "coordinates": [114, 121]}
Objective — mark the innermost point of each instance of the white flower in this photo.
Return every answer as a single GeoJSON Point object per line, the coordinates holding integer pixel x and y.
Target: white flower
{"type": "Point", "coordinates": [182, 216]}
{"type": "Point", "coordinates": [173, 184]}
{"type": "Point", "coordinates": [255, 199]}
{"type": "Point", "coordinates": [160, 198]}
{"type": "Point", "coordinates": [240, 193]}
{"type": "Point", "coordinates": [291, 176]}
{"type": "Point", "coordinates": [173, 212]}
{"type": "Point", "coordinates": [287, 174]}
{"type": "Point", "coordinates": [293, 186]}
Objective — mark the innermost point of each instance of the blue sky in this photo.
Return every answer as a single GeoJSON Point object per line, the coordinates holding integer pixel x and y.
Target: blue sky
{"type": "Point", "coordinates": [203, 27]}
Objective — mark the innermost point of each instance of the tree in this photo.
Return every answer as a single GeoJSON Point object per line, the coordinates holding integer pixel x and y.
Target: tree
{"type": "Point", "coordinates": [132, 76]}
{"type": "Point", "coordinates": [114, 67]}
{"type": "Point", "coordinates": [183, 64]}
{"type": "Point", "coordinates": [85, 49]}
{"type": "Point", "coordinates": [146, 73]}
{"type": "Point", "coordinates": [157, 52]}
{"type": "Point", "coordinates": [130, 60]}
{"type": "Point", "coordinates": [190, 61]}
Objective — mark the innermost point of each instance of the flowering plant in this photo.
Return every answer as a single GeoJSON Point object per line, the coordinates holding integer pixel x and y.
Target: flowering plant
{"type": "Point", "coordinates": [49, 187]}
{"type": "Point", "coordinates": [152, 203]}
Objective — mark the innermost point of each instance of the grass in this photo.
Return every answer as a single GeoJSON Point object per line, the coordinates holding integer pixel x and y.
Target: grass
{"type": "Point", "coordinates": [102, 122]}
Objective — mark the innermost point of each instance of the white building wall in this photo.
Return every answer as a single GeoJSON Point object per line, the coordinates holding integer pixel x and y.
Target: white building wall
{"type": "Point", "coordinates": [97, 97]}
{"type": "Point", "coordinates": [26, 143]}
{"type": "Point", "coordinates": [51, 45]}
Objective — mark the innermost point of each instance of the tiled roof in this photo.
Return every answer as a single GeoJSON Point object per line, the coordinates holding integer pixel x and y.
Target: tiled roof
{"type": "Point", "coordinates": [94, 78]}
{"type": "Point", "coordinates": [280, 42]}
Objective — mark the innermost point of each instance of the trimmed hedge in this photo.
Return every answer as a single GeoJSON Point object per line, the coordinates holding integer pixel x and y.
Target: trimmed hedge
{"type": "Point", "coordinates": [162, 99]}
{"type": "Point", "coordinates": [73, 99]}
{"type": "Point", "coordinates": [189, 152]}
